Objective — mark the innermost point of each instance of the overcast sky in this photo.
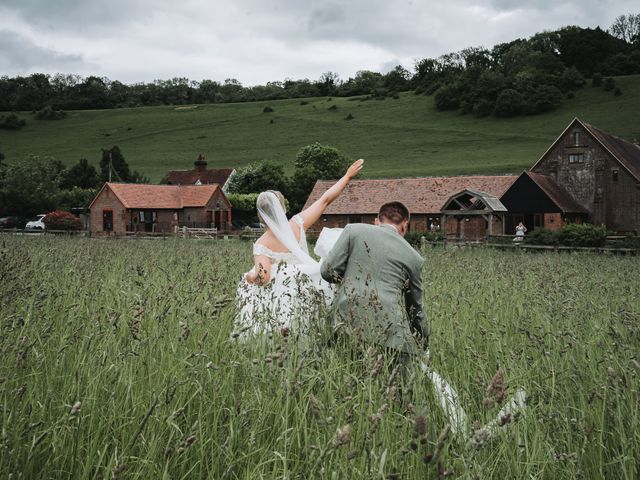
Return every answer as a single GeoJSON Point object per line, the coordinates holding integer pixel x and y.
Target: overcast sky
{"type": "Point", "coordinates": [256, 41]}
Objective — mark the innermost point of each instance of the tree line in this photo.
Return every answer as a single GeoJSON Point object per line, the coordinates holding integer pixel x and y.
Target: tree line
{"type": "Point", "coordinates": [42, 184]}
{"type": "Point", "coordinates": [524, 76]}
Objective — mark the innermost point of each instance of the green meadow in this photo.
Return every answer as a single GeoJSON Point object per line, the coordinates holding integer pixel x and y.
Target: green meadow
{"type": "Point", "coordinates": [398, 137]}
{"type": "Point", "coordinates": [118, 363]}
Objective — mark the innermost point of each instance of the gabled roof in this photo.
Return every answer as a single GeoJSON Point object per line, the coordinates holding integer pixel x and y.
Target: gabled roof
{"type": "Point", "coordinates": [205, 176]}
{"type": "Point", "coordinates": [626, 153]}
{"type": "Point", "coordinates": [424, 195]}
{"type": "Point", "coordinates": [556, 193]}
{"type": "Point", "coordinates": [158, 197]}
{"type": "Point", "coordinates": [476, 200]}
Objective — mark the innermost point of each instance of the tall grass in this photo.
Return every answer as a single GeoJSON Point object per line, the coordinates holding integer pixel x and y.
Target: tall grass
{"type": "Point", "coordinates": [117, 362]}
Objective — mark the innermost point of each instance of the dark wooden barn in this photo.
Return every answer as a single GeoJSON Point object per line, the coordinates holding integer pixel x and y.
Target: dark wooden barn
{"type": "Point", "coordinates": [600, 171]}
{"type": "Point", "coordinates": [538, 201]}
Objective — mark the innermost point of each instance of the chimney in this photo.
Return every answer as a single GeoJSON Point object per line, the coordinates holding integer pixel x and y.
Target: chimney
{"type": "Point", "coordinates": [200, 163]}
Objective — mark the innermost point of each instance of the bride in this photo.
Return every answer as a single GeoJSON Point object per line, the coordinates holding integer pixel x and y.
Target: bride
{"type": "Point", "coordinates": [280, 291]}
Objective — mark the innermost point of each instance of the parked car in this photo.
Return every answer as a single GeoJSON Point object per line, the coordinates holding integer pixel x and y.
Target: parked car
{"type": "Point", "coordinates": [13, 222]}
{"type": "Point", "coordinates": [36, 223]}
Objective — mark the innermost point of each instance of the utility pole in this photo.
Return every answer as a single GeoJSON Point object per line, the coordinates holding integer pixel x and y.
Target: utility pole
{"type": "Point", "coordinates": [110, 167]}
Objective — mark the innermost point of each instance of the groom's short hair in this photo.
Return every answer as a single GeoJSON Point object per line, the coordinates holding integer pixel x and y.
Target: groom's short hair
{"type": "Point", "coordinates": [394, 212]}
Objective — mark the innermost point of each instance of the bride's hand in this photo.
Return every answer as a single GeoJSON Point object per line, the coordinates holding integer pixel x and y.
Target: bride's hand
{"type": "Point", "coordinates": [353, 170]}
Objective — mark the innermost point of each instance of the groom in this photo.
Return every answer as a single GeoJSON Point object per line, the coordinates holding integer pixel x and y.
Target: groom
{"type": "Point", "coordinates": [377, 272]}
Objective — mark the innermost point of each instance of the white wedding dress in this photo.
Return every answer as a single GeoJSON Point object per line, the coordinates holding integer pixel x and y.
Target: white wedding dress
{"type": "Point", "coordinates": [296, 293]}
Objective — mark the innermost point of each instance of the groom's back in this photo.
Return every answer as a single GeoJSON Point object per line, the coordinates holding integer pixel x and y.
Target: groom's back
{"type": "Point", "coordinates": [377, 265]}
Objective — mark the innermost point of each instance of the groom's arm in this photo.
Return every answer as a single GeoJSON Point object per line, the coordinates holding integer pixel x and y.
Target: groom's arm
{"type": "Point", "coordinates": [334, 265]}
{"type": "Point", "coordinates": [415, 308]}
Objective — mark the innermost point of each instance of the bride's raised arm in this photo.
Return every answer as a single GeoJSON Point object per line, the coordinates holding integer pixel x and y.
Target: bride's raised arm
{"type": "Point", "coordinates": [312, 214]}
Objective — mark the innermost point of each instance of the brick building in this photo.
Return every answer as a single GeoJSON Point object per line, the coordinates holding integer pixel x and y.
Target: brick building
{"type": "Point", "coordinates": [126, 207]}
{"type": "Point", "coordinates": [425, 198]}
{"type": "Point", "coordinates": [201, 175]}
{"type": "Point", "coordinates": [600, 171]}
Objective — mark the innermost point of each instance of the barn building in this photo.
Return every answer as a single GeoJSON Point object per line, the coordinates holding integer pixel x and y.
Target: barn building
{"type": "Point", "coordinates": [119, 208]}
{"type": "Point", "coordinates": [425, 198]}
{"type": "Point", "coordinates": [600, 172]}
{"type": "Point", "coordinates": [586, 175]}
{"type": "Point", "coordinates": [201, 175]}
{"type": "Point", "coordinates": [538, 201]}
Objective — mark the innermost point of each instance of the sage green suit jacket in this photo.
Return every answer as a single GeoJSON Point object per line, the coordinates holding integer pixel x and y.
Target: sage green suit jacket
{"type": "Point", "coordinates": [379, 286]}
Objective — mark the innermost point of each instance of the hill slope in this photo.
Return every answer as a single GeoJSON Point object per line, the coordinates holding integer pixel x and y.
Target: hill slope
{"type": "Point", "coordinates": [403, 137]}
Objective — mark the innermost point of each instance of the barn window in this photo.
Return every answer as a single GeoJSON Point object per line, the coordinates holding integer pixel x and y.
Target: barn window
{"type": "Point", "coordinates": [575, 138]}
{"type": "Point", "coordinates": [576, 158]}
{"type": "Point", "coordinates": [614, 174]}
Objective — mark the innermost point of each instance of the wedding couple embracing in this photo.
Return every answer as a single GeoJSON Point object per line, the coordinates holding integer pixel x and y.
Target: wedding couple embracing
{"type": "Point", "coordinates": [368, 277]}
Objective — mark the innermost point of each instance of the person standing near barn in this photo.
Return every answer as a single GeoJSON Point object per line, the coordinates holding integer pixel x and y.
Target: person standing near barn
{"type": "Point", "coordinates": [520, 231]}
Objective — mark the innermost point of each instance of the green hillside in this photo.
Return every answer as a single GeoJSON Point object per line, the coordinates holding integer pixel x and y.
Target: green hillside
{"type": "Point", "coordinates": [403, 137]}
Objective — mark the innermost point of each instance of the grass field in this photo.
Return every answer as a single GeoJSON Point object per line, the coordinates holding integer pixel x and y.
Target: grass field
{"type": "Point", "coordinates": [404, 137]}
{"type": "Point", "coordinates": [117, 363]}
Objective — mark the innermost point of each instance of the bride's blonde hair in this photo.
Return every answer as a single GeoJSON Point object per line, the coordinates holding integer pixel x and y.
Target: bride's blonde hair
{"type": "Point", "coordinates": [280, 196]}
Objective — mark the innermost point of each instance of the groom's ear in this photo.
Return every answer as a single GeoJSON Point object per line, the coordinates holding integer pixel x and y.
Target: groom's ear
{"type": "Point", "coordinates": [376, 221]}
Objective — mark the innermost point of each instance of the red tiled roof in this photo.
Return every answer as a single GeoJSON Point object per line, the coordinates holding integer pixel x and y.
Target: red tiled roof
{"type": "Point", "coordinates": [420, 195]}
{"type": "Point", "coordinates": [135, 195]}
{"type": "Point", "coordinates": [556, 193]}
{"type": "Point", "coordinates": [206, 176]}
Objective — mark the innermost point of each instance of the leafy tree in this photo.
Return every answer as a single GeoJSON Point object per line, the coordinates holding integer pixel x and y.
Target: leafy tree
{"type": "Point", "coordinates": [258, 177]}
{"type": "Point", "coordinates": [31, 186]}
{"type": "Point", "coordinates": [113, 160]}
{"type": "Point", "coordinates": [509, 103]}
{"type": "Point", "coordinates": [328, 83]}
{"type": "Point", "coordinates": [626, 27]}
{"type": "Point", "coordinates": [398, 79]}
{"type": "Point", "coordinates": [77, 197]}
{"type": "Point", "coordinates": [446, 98]}
{"type": "Point", "coordinates": [315, 162]}
{"type": "Point", "coordinates": [81, 175]}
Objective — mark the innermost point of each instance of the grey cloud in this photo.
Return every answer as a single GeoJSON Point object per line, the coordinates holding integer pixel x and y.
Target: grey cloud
{"type": "Point", "coordinates": [261, 40]}
{"type": "Point", "coordinates": [78, 14]}
{"type": "Point", "coordinates": [19, 55]}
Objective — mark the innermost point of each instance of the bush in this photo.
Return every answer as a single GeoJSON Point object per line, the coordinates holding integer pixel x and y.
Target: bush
{"type": "Point", "coordinates": [446, 98]}
{"type": "Point", "coordinates": [333, 108]}
{"type": "Point", "coordinates": [546, 98]}
{"type": "Point", "coordinates": [617, 92]}
{"type": "Point", "coordinates": [543, 236]}
{"type": "Point", "coordinates": [572, 78]}
{"type": "Point", "coordinates": [609, 84]}
{"type": "Point", "coordinates": [267, 110]}
{"type": "Point", "coordinates": [628, 242]}
{"type": "Point", "coordinates": [48, 113]}
{"type": "Point", "coordinates": [582, 235]}
{"type": "Point", "coordinates": [11, 122]}
{"type": "Point", "coordinates": [302, 102]}
{"type": "Point", "coordinates": [508, 104]}
{"type": "Point", "coordinates": [349, 117]}
{"type": "Point", "coordinates": [596, 80]}
{"type": "Point", "coordinates": [61, 220]}
{"type": "Point", "coordinates": [243, 201]}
